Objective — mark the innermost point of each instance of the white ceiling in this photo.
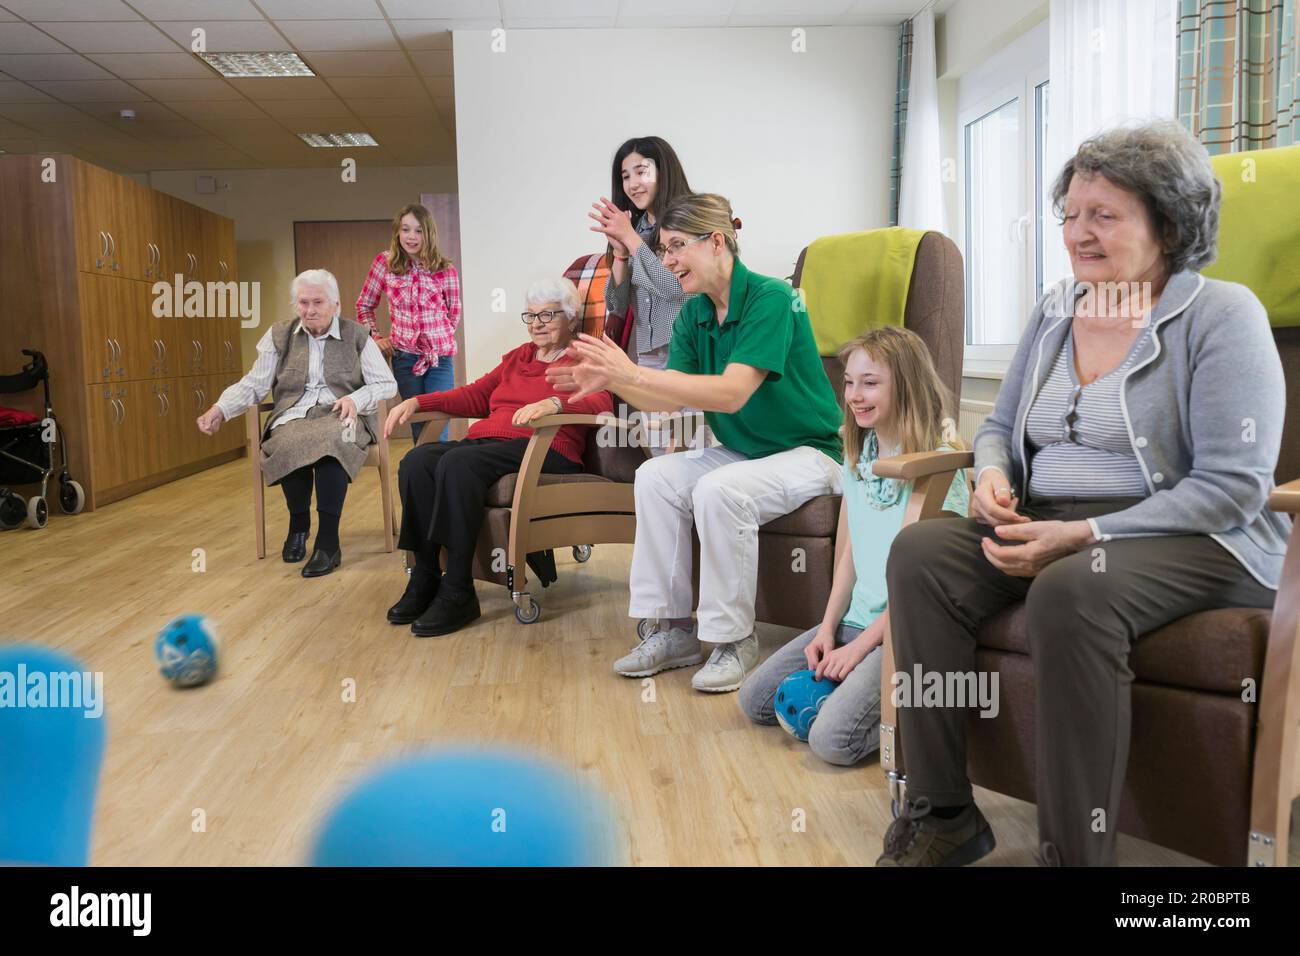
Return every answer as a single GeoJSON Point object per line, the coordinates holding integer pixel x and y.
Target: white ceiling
{"type": "Point", "coordinates": [383, 66]}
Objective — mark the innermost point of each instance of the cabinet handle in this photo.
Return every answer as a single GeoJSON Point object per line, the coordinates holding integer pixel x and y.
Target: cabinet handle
{"type": "Point", "coordinates": [167, 403]}
{"type": "Point", "coordinates": [202, 351]}
{"type": "Point", "coordinates": [158, 395]}
{"type": "Point", "coordinates": [103, 249]}
{"type": "Point", "coordinates": [108, 369]}
{"type": "Point", "coordinates": [203, 398]}
{"type": "Point", "coordinates": [122, 404]}
{"type": "Point", "coordinates": [121, 370]}
{"type": "Point", "coordinates": [119, 412]}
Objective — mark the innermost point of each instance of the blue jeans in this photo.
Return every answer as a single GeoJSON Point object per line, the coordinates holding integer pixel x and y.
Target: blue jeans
{"type": "Point", "coordinates": [848, 727]}
{"type": "Point", "coordinates": [438, 378]}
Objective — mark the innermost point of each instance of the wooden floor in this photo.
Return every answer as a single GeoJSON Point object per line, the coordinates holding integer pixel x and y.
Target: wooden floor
{"type": "Point", "coordinates": [266, 748]}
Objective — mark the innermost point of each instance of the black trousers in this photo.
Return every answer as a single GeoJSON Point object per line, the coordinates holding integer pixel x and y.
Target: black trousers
{"type": "Point", "coordinates": [1084, 612]}
{"type": "Point", "coordinates": [444, 486]}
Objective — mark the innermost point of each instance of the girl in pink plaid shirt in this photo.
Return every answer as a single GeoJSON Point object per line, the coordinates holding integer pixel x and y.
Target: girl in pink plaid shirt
{"type": "Point", "coordinates": [423, 304]}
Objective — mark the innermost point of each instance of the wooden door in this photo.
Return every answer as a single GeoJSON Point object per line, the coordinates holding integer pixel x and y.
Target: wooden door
{"type": "Point", "coordinates": [106, 427]}
{"type": "Point", "coordinates": [346, 249]}
{"type": "Point", "coordinates": [187, 239]}
{"type": "Point", "coordinates": [95, 200]}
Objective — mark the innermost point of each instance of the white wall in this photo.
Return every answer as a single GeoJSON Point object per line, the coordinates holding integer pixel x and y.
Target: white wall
{"type": "Point", "coordinates": [799, 142]}
{"type": "Point", "coordinates": [265, 203]}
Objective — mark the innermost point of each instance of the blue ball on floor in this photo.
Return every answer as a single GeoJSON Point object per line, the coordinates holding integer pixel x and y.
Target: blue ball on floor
{"type": "Point", "coordinates": [468, 808]}
{"type": "Point", "coordinates": [51, 749]}
{"type": "Point", "coordinates": [187, 650]}
{"type": "Point", "coordinates": [799, 698]}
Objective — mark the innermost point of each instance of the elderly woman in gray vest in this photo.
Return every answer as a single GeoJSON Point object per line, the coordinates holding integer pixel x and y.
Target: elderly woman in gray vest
{"type": "Point", "coordinates": [326, 377]}
{"type": "Point", "coordinates": [1121, 484]}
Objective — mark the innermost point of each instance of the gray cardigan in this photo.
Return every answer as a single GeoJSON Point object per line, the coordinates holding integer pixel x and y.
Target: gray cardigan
{"type": "Point", "coordinates": [1204, 403]}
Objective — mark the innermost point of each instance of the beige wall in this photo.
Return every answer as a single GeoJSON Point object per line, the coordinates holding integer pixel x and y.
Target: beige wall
{"type": "Point", "coordinates": [265, 204]}
{"type": "Point", "coordinates": [797, 137]}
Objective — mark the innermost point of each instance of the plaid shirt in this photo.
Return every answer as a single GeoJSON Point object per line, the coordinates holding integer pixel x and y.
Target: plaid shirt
{"type": "Point", "coordinates": [424, 308]}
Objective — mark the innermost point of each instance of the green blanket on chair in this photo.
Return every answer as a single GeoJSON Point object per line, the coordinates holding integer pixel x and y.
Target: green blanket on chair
{"type": "Point", "coordinates": [857, 281]}
{"type": "Point", "coordinates": [1259, 228]}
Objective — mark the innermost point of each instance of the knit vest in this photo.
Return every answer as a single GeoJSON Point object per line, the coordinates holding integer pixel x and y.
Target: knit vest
{"type": "Point", "coordinates": [343, 372]}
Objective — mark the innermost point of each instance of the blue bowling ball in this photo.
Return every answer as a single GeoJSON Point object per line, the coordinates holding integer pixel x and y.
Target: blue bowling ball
{"type": "Point", "coordinates": [468, 808]}
{"type": "Point", "coordinates": [187, 650]}
{"type": "Point", "coordinates": [798, 700]}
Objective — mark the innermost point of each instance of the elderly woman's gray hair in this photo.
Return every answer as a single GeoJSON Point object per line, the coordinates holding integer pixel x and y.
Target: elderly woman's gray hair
{"type": "Point", "coordinates": [559, 289]}
{"type": "Point", "coordinates": [1163, 164]}
{"type": "Point", "coordinates": [317, 279]}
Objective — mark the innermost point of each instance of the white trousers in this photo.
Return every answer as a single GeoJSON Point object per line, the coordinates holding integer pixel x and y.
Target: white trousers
{"type": "Point", "coordinates": [726, 497]}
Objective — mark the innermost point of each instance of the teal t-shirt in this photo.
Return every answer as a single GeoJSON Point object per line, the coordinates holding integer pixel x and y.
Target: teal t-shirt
{"type": "Point", "coordinates": [765, 328]}
{"type": "Point", "coordinates": [875, 515]}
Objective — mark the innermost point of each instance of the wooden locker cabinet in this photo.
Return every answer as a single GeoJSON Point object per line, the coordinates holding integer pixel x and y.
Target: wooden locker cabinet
{"type": "Point", "coordinates": [127, 384]}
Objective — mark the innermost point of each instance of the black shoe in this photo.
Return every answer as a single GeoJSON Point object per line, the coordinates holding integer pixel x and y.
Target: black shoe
{"type": "Point", "coordinates": [321, 563]}
{"type": "Point", "coordinates": [450, 611]}
{"type": "Point", "coordinates": [295, 547]}
{"type": "Point", "coordinates": [420, 591]}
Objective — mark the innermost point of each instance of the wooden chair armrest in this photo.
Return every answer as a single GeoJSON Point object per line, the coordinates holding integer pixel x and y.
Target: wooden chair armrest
{"type": "Point", "coordinates": [922, 463]}
{"type": "Point", "coordinates": [575, 418]}
{"type": "Point", "coordinates": [1286, 497]}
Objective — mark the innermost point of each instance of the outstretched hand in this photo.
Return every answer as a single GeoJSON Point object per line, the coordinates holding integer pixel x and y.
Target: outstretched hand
{"type": "Point", "coordinates": [595, 364]}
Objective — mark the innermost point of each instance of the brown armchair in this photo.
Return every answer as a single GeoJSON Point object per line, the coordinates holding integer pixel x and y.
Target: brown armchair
{"type": "Point", "coordinates": [531, 512]}
{"type": "Point", "coordinates": [936, 312]}
{"type": "Point", "coordinates": [1209, 774]}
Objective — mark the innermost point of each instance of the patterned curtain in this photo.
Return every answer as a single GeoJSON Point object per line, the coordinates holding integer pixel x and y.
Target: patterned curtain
{"type": "Point", "coordinates": [900, 116]}
{"type": "Point", "coordinates": [1288, 84]}
{"type": "Point", "coordinates": [1237, 73]}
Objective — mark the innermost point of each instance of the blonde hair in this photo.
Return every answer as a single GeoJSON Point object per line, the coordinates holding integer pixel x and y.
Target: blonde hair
{"type": "Point", "coordinates": [430, 255]}
{"type": "Point", "coordinates": [700, 214]}
{"type": "Point", "coordinates": [920, 402]}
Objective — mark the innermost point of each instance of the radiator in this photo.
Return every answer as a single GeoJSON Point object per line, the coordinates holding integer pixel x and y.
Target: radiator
{"type": "Point", "coordinates": [969, 418]}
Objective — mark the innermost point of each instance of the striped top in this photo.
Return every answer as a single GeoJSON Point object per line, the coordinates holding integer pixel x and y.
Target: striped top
{"type": "Point", "coordinates": [1078, 439]}
{"type": "Point", "coordinates": [659, 296]}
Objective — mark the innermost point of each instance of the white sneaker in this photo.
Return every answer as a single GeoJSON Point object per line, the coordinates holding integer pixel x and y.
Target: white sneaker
{"type": "Point", "coordinates": [727, 667]}
{"type": "Point", "coordinates": [661, 650]}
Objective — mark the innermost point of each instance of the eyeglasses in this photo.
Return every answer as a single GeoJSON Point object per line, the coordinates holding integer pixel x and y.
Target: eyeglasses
{"type": "Point", "coordinates": [676, 246]}
{"type": "Point", "coordinates": [546, 318]}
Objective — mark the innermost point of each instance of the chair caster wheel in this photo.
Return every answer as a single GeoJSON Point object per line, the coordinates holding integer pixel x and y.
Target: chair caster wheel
{"type": "Point", "coordinates": [582, 553]}
{"type": "Point", "coordinates": [531, 617]}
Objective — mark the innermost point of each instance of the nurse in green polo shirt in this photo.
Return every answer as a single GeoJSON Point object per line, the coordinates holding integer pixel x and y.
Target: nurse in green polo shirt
{"type": "Point", "coordinates": [742, 350]}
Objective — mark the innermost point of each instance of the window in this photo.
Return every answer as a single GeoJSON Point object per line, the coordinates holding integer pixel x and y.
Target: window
{"type": "Point", "coordinates": [1006, 215]}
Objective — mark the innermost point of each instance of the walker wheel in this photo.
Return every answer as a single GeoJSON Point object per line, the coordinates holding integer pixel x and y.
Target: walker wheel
{"type": "Point", "coordinates": [530, 618]}
{"type": "Point", "coordinates": [13, 511]}
{"type": "Point", "coordinates": [644, 627]}
{"type": "Point", "coordinates": [38, 512]}
{"type": "Point", "coordinates": [72, 497]}
{"type": "Point", "coordinates": [582, 553]}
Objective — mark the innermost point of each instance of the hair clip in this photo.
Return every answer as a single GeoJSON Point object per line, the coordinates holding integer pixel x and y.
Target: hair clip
{"type": "Point", "coordinates": [735, 223]}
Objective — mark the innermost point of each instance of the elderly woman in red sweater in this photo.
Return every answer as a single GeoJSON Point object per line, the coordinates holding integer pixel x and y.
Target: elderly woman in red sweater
{"type": "Point", "coordinates": [444, 484]}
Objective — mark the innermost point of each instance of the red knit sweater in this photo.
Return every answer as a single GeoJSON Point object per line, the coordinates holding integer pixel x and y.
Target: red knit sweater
{"type": "Point", "coordinates": [518, 381]}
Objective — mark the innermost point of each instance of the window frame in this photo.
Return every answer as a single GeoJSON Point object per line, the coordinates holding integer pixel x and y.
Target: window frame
{"type": "Point", "coordinates": [1016, 72]}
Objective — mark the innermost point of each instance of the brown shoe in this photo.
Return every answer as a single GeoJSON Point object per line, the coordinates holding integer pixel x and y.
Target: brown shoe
{"type": "Point", "coordinates": [917, 838]}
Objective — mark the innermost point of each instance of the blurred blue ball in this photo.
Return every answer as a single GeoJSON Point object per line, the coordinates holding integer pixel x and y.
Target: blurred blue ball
{"type": "Point", "coordinates": [468, 808]}
{"type": "Point", "coordinates": [187, 650]}
{"type": "Point", "coordinates": [799, 698]}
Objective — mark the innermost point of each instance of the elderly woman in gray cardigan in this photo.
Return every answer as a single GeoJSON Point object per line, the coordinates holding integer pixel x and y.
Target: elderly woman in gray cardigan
{"type": "Point", "coordinates": [1121, 484]}
{"type": "Point", "coordinates": [326, 378]}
